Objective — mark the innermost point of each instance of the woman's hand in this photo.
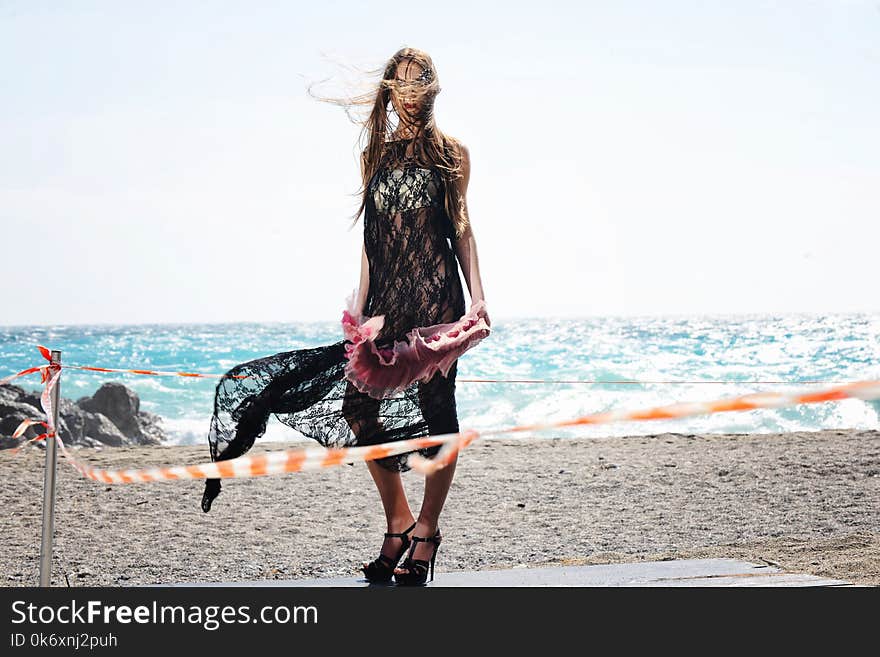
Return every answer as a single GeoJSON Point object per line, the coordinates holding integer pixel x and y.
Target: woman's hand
{"type": "Point", "coordinates": [485, 313]}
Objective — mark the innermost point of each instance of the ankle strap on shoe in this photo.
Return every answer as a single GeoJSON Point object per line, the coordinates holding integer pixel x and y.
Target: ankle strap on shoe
{"type": "Point", "coordinates": [401, 534]}
{"type": "Point", "coordinates": [427, 539]}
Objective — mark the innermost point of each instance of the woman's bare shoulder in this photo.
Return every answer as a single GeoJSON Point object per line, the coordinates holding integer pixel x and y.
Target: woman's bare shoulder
{"type": "Point", "coordinates": [459, 150]}
{"type": "Point", "coordinates": [456, 143]}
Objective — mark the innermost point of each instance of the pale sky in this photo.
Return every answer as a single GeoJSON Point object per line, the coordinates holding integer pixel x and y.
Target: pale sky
{"type": "Point", "coordinates": [162, 162]}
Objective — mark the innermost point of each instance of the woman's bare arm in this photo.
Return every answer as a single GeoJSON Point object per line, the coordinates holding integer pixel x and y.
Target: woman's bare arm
{"type": "Point", "coordinates": [364, 286]}
{"type": "Point", "coordinates": [466, 244]}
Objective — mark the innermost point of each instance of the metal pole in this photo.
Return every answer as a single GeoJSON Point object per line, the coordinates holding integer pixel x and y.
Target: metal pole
{"type": "Point", "coordinates": [49, 485]}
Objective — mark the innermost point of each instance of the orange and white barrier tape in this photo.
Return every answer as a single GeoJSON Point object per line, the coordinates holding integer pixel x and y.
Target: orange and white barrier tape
{"type": "Point", "coordinates": [634, 382]}
{"type": "Point", "coordinates": [299, 460]}
{"type": "Point", "coordinates": [864, 390]}
{"type": "Point", "coordinates": [156, 372]}
{"type": "Point", "coordinates": [21, 429]}
{"type": "Point", "coordinates": [30, 370]}
{"type": "Point", "coordinates": [256, 465]}
{"type": "Point", "coordinates": [47, 354]}
{"type": "Point", "coordinates": [42, 369]}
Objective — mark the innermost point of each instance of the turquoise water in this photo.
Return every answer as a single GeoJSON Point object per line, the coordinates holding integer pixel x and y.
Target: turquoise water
{"type": "Point", "coordinates": [733, 349]}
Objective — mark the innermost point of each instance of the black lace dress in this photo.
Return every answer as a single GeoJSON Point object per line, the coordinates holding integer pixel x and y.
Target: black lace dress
{"type": "Point", "coordinates": [392, 383]}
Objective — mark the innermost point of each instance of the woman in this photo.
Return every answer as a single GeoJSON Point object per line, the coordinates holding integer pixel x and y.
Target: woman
{"type": "Point", "coordinates": [393, 377]}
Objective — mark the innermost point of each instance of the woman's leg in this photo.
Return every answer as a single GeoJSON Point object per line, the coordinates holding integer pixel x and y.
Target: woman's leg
{"type": "Point", "coordinates": [398, 515]}
{"type": "Point", "coordinates": [437, 400]}
{"type": "Point", "coordinates": [437, 485]}
{"type": "Point", "coordinates": [362, 414]}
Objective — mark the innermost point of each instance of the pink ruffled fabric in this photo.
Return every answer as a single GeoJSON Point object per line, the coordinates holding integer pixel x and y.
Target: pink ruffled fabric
{"type": "Point", "coordinates": [382, 372]}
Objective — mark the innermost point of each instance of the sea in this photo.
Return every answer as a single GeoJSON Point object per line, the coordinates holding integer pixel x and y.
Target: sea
{"type": "Point", "coordinates": [529, 370]}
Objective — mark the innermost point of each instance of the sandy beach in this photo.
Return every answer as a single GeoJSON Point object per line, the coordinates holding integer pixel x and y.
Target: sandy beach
{"type": "Point", "coordinates": [806, 502]}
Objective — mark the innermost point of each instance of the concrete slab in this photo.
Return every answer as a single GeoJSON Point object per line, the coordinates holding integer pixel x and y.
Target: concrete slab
{"type": "Point", "coordinates": [686, 572]}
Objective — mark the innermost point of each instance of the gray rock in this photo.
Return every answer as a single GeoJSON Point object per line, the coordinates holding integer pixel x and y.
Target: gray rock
{"type": "Point", "coordinates": [32, 398]}
{"type": "Point", "coordinates": [112, 417]}
{"type": "Point", "coordinates": [12, 413]}
{"type": "Point", "coordinates": [122, 406]}
{"type": "Point", "coordinates": [98, 426]}
{"type": "Point", "coordinates": [10, 407]}
{"type": "Point", "coordinates": [119, 404]}
{"type": "Point", "coordinates": [9, 393]}
{"type": "Point", "coordinates": [150, 425]}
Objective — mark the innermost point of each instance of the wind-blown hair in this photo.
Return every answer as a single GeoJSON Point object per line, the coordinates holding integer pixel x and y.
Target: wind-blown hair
{"type": "Point", "coordinates": [431, 145]}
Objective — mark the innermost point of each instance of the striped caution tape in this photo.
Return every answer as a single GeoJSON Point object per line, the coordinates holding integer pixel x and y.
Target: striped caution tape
{"type": "Point", "coordinates": [19, 431]}
{"type": "Point", "coordinates": [256, 465]}
{"type": "Point", "coordinates": [42, 369]}
{"type": "Point", "coordinates": [48, 356]}
{"type": "Point", "coordinates": [157, 372]}
{"type": "Point", "coordinates": [195, 375]}
{"type": "Point", "coordinates": [30, 370]}
{"type": "Point", "coordinates": [298, 460]}
{"type": "Point", "coordinates": [864, 390]}
{"type": "Point", "coordinates": [635, 382]}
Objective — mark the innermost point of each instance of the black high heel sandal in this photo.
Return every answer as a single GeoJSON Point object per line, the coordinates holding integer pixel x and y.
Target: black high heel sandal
{"type": "Point", "coordinates": [382, 568]}
{"type": "Point", "coordinates": [417, 569]}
